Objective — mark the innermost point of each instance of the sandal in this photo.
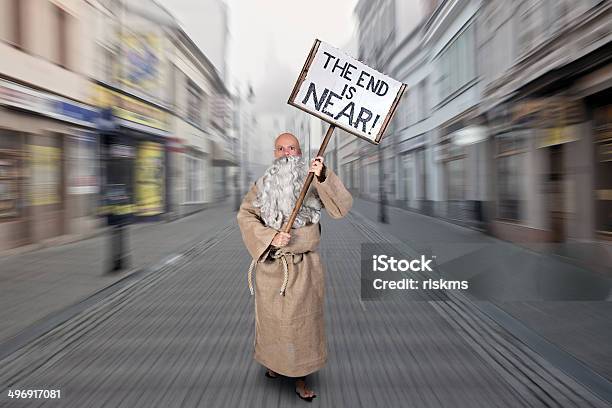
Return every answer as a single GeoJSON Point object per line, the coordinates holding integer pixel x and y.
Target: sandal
{"type": "Point", "coordinates": [309, 399]}
{"type": "Point", "coordinates": [270, 375]}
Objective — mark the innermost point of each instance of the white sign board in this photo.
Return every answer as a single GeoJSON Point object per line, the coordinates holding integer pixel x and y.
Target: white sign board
{"type": "Point", "coordinates": [346, 93]}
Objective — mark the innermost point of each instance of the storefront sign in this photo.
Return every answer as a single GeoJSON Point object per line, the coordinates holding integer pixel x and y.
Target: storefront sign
{"type": "Point", "coordinates": [549, 112]}
{"type": "Point", "coordinates": [558, 135]}
{"type": "Point", "coordinates": [131, 110]}
{"type": "Point", "coordinates": [21, 97]}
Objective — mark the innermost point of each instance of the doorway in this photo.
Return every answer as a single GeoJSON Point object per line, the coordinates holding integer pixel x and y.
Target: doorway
{"type": "Point", "coordinates": [556, 194]}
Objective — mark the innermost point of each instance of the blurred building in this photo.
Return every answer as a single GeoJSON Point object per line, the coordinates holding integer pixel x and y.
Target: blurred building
{"type": "Point", "coordinates": [225, 161]}
{"type": "Point", "coordinates": [198, 116]}
{"type": "Point", "coordinates": [547, 74]}
{"type": "Point", "coordinates": [505, 122]}
{"type": "Point", "coordinates": [452, 171]}
{"type": "Point", "coordinates": [132, 89]}
{"type": "Point", "coordinates": [49, 178]}
{"type": "Point", "coordinates": [391, 40]}
{"type": "Point", "coordinates": [426, 165]}
{"type": "Point", "coordinates": [245, 128]}
{"type": "Point", "coordinates": [106, 106]}
{"type": "Point", "coordinates": [174, 109]}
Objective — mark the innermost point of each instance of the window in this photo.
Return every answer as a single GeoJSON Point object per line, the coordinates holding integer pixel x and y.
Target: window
{"type": "Point", "coordinates": [356, 175]}
{"type": "Point", "coordinates": [456, 179]}
{"type": "Point", "coordinates": [346, 176]}
{"type": "Point", "coordinates": [195, 179]}
{"type": "Point", "coordinates": [10, 175]}
{"type": "Point", "coordinates": [194, 103]}
{"type": "Point", "coordinates": [508, 177]}
{"type": "Point", "coordinates": [456, 65]}
{"type": "Point", "coordinates": [603, 169]}
{"type": "Point", "coordinates": [407, 170]}
{"type": "Point", "coordinates": [10, 21]}
{"type": "Point", "coordinates": [61, 36]}
{"type": "Point", "coordinates": [423, 102]}
{"type": "Point", "coordinates": [420, 174]}
{"type": "Point", "coordinates": [372, 179]}
{"type": "Point", "coordinates": [81, 158]}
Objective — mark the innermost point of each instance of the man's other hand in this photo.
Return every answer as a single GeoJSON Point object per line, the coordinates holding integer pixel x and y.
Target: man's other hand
{"type": "Point", "coordinates": [281, 239]}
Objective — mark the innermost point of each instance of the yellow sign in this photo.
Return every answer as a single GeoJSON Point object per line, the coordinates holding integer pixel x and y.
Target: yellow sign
{"type": "Point", "coordinates": [558, 135]}
{"type": "Point", "coordinates": [605, 195]}
{"type": "Point", "coordinates": [140, 63]}
{"type": "Point", "coordinates": [150, 179]}
{"type": "Point", "coordinates": [550, 111]}
{"type": "Point", "coordinates": [130, 109]}
{"type": "Point", "coordinates": [45, 164]}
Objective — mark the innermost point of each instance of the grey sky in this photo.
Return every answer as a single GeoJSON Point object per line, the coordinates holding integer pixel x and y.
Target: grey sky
{"type": "Point", "coordinates": [269, 39]}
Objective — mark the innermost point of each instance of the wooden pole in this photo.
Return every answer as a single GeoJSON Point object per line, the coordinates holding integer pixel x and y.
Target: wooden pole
{"type": "Point", "coordinates": [308, 181]}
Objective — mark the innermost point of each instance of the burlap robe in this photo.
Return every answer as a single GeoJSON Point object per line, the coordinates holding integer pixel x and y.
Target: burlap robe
{"type": "Point", "coordinates": [290, 329]}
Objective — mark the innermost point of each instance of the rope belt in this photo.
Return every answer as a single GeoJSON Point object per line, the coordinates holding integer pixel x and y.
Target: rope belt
{"type": "Point", "coordinates": [279, 253]}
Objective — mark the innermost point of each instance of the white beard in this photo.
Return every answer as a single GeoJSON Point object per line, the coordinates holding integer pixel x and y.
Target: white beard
{"type": "Point", "coordinates": [278, 190]}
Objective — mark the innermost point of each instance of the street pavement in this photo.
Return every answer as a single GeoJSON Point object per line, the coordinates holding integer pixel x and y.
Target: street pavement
{"type": "Point", "coordinates": [567, 304]}
{"type": "Point", "coordinates": [181, 334]}
{"type": "Point", "coordinates": [37, 283]}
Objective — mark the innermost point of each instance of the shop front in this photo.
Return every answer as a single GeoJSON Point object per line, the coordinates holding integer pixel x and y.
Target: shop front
{"type": "Point", "coordinates": [134, 136]}
{"type": "Point", "coordinates": [462, 152]}
{"type": "Point", "coordinates": [542, 165]}
{"type": "Point", "coordinates": [45, 182]}
{"type": "Point", "coordinates": [602, 133]}
{"type": "Point", "coordinates": [412, 175]}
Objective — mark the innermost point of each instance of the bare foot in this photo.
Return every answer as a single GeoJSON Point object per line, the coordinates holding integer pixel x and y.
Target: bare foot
{"type": "Point", "coordinates": [302, 389]}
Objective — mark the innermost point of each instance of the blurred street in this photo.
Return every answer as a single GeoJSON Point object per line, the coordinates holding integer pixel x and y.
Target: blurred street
{"type": "Point", "coordinates": [33, 284]}
{"type": "Point", "coordinates": [180, 333]}
{"type": "Point", "coordinates": [131, 130]}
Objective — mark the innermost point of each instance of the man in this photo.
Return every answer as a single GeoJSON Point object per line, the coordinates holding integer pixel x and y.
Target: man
{"type": "Point", "coordinates": [290, 282]}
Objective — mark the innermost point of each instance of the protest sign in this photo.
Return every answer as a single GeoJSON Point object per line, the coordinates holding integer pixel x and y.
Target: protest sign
{"type": "Point", "coordinates": [346, 93]}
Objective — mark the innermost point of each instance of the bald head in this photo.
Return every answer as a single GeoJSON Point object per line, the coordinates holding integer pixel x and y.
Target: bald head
{"type": "Point", "coordinates": [286, 145]}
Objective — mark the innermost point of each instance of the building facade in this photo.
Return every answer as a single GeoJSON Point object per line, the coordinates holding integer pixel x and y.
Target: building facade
{"type": "Point", "coordinates": [546, 99]}
{"type": "Point", "coordinates": [49, 178]}
{"type": "Point", "coordinates": [196, 121]}
{"type": "Point", "coordinates": [505, 124]}
{"type": "Point", "coordinates": [106, 108]}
